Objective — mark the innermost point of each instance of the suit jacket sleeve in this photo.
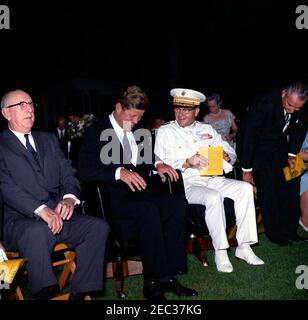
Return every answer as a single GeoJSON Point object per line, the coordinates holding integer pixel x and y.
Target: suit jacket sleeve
{"type": "Point", "coordinates": [91, 167]}
{"type": "Point", "coordinates": [69, 182]}
{"type": "Point", "coordinates": [255, 119]}
{"type": "Point", "coordinates": [298, 134]}
{"type": "Point", "coordinates": [14, 195]}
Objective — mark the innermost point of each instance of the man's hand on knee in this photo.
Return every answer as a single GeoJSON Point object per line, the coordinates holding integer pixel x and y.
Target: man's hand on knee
{"type": "Point", "coordinates": [65, 208]}
{"type": "Point", "coordinates": [53, 220]}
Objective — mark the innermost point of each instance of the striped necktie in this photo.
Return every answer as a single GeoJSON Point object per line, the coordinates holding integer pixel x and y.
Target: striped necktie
{"type": "Point", "coordinates": [287, 118]}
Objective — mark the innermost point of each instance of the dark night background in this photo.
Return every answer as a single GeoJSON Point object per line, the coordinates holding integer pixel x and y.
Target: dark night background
{"type": "Point", "coordinates": [76, 57]}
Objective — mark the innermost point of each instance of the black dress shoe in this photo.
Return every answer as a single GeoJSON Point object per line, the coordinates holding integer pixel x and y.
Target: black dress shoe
{"type": "Point", "coordinates": [298, 238]}
{"type": "Point", "coordinates": [47, 293]}
{"type": "Point", "coordinates": [154, 292]}
{"type": "Point", "coordinates": [280, 241]}
{"type": "Point", "coordinates": [174, 286]}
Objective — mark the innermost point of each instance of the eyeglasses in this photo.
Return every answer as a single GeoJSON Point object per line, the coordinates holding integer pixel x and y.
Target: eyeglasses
{"type": "Point", "coordinates": [23, 105]}
{"type": "Point", "coordinates": [184, 110]}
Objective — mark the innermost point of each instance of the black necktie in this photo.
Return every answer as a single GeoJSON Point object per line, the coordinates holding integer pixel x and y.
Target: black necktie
{"type": "Point", "coordinates": [61, 135]}
{"type": "Point", "coordinates": [127, 151]}
{"type": "Point", "coordinates": [30, 148]}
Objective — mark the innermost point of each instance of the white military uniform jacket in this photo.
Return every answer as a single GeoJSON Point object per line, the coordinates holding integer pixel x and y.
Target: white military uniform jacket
{"type": "Point", "coordinates": [174, 144]}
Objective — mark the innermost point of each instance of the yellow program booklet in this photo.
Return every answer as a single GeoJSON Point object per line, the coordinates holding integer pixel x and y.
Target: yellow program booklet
{"type": "Point", "coordinates": [9, 268]}
{"type": "Point", "coordinates": [215, 161]}
{"type": "Point", "coordinates": [298, 170]}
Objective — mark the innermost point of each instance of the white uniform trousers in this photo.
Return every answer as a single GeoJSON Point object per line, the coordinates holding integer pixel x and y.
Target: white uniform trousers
{"type": "Point", "coordinates": [210, 192]}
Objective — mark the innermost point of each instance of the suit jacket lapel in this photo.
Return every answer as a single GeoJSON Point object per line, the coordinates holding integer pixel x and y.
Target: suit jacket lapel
{"type": "Point", "coordinates": [16, 146]}
{"type": "Point", "coordinates": [40, 147]}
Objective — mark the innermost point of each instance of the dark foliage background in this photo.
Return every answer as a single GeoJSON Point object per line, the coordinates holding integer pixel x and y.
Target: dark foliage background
{"type": "Point", "coordinates": [77, 57]}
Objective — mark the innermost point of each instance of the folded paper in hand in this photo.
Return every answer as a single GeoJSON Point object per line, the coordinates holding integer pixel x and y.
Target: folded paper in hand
{"type": "Point", "coordinates": [215, 161]}
{"type": "Point", "coordinates": [9, 268]}
{"type": "Point", "coordinates": [298, 170]}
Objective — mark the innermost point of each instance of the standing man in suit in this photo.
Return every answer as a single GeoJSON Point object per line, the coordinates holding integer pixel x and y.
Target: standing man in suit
{"type": "Point", "coordinates": [273, 135]}
{"type": "Point", "coordinates": [109, 153]}
{"type": "Point", "coordinates": [61, 133]}
{"type": "Point", "coordinates": [40, 192]}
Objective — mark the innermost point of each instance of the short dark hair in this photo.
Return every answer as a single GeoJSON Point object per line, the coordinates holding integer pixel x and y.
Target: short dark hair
{"type": "Point", "coordinates": [134, 97]}
{"type": "Point", "coordinates": [299, 88]}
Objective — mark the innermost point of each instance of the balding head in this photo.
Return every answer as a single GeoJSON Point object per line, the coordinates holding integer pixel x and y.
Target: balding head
{"type": "Point", "coordinates": [7, 97]}
{"type": "Point", "coordinates": [17, 109]}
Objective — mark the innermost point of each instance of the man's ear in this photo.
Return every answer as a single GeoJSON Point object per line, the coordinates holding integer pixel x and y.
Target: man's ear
{"type": "Point", "coordinates": [6, 113]}
{"type": "Point", "coordinates": [197, 112]}
{"type": "Point", "coordinates": [118, 107]}
{"type": "Point", "coordinates": [283, 93]}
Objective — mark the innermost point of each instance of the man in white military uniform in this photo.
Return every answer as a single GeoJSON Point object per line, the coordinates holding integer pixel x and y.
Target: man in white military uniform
{"type": "Point", "coordinates": [177, 144]}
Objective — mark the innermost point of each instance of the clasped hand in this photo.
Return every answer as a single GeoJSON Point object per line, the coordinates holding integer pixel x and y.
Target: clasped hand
{"type": "Point", "coordinates": [197, 161]}
{"type": "Point", "coordinates": [54, 217]}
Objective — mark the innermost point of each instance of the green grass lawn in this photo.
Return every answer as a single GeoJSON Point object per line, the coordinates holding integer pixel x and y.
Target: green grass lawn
{"type": "Point", "coordinates": [274, 280]}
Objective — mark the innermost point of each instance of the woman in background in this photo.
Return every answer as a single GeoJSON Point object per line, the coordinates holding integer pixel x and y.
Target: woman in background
{"type": "Point", "coordinates": [222, 120]}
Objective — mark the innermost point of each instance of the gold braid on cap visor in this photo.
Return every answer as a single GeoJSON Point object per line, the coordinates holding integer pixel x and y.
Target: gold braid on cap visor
{"type": "Point", "coordinates": [182, 101]}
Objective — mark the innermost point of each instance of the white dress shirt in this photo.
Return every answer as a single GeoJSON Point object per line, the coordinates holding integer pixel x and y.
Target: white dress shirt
{"type": "Point", "coordinates": [131, 139]}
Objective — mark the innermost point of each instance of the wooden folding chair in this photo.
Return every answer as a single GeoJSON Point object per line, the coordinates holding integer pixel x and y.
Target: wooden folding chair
{"type": "Point", "coordinates": [66, 260]}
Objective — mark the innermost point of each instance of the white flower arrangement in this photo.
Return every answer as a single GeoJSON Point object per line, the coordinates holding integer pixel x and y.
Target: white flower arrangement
{"type": "Point", "coordinates": [76, 128]}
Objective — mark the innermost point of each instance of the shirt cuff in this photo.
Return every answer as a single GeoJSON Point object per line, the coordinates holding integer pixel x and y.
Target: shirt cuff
{"type": "Point", "coordinates": [38, 210]}
{"type": "Point", "coordinates": [158, 162]}
{"type": "Point", "coordinates": [247, 170]}
{"type": "Point", "coordinates": [117, 173]}
{"type": "Point", "coordinates": [69, 195]}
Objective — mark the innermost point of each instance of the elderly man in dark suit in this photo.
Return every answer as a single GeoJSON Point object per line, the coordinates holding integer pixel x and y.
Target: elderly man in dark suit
{"type": "Point", "coordinates": [40, 193]}
{"type": "Point", "coordinates": [273, 135]}
{"type": "Point", "coordinates": [109, 153]}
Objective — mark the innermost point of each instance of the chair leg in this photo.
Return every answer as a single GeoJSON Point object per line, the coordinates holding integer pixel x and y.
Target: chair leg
{"type": "Point", "coordinates": [232, 232]}
{"type": "Point", "coordinates": [69, 267]}
{"type": "Point", "coordinates": [120, 271]}
{"type": "Point", "coordinates": [18, 293]}
{"type": "Point", "coordinates": [199, 252]}
{"type": "Point", "coordinates": [259, 223]}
